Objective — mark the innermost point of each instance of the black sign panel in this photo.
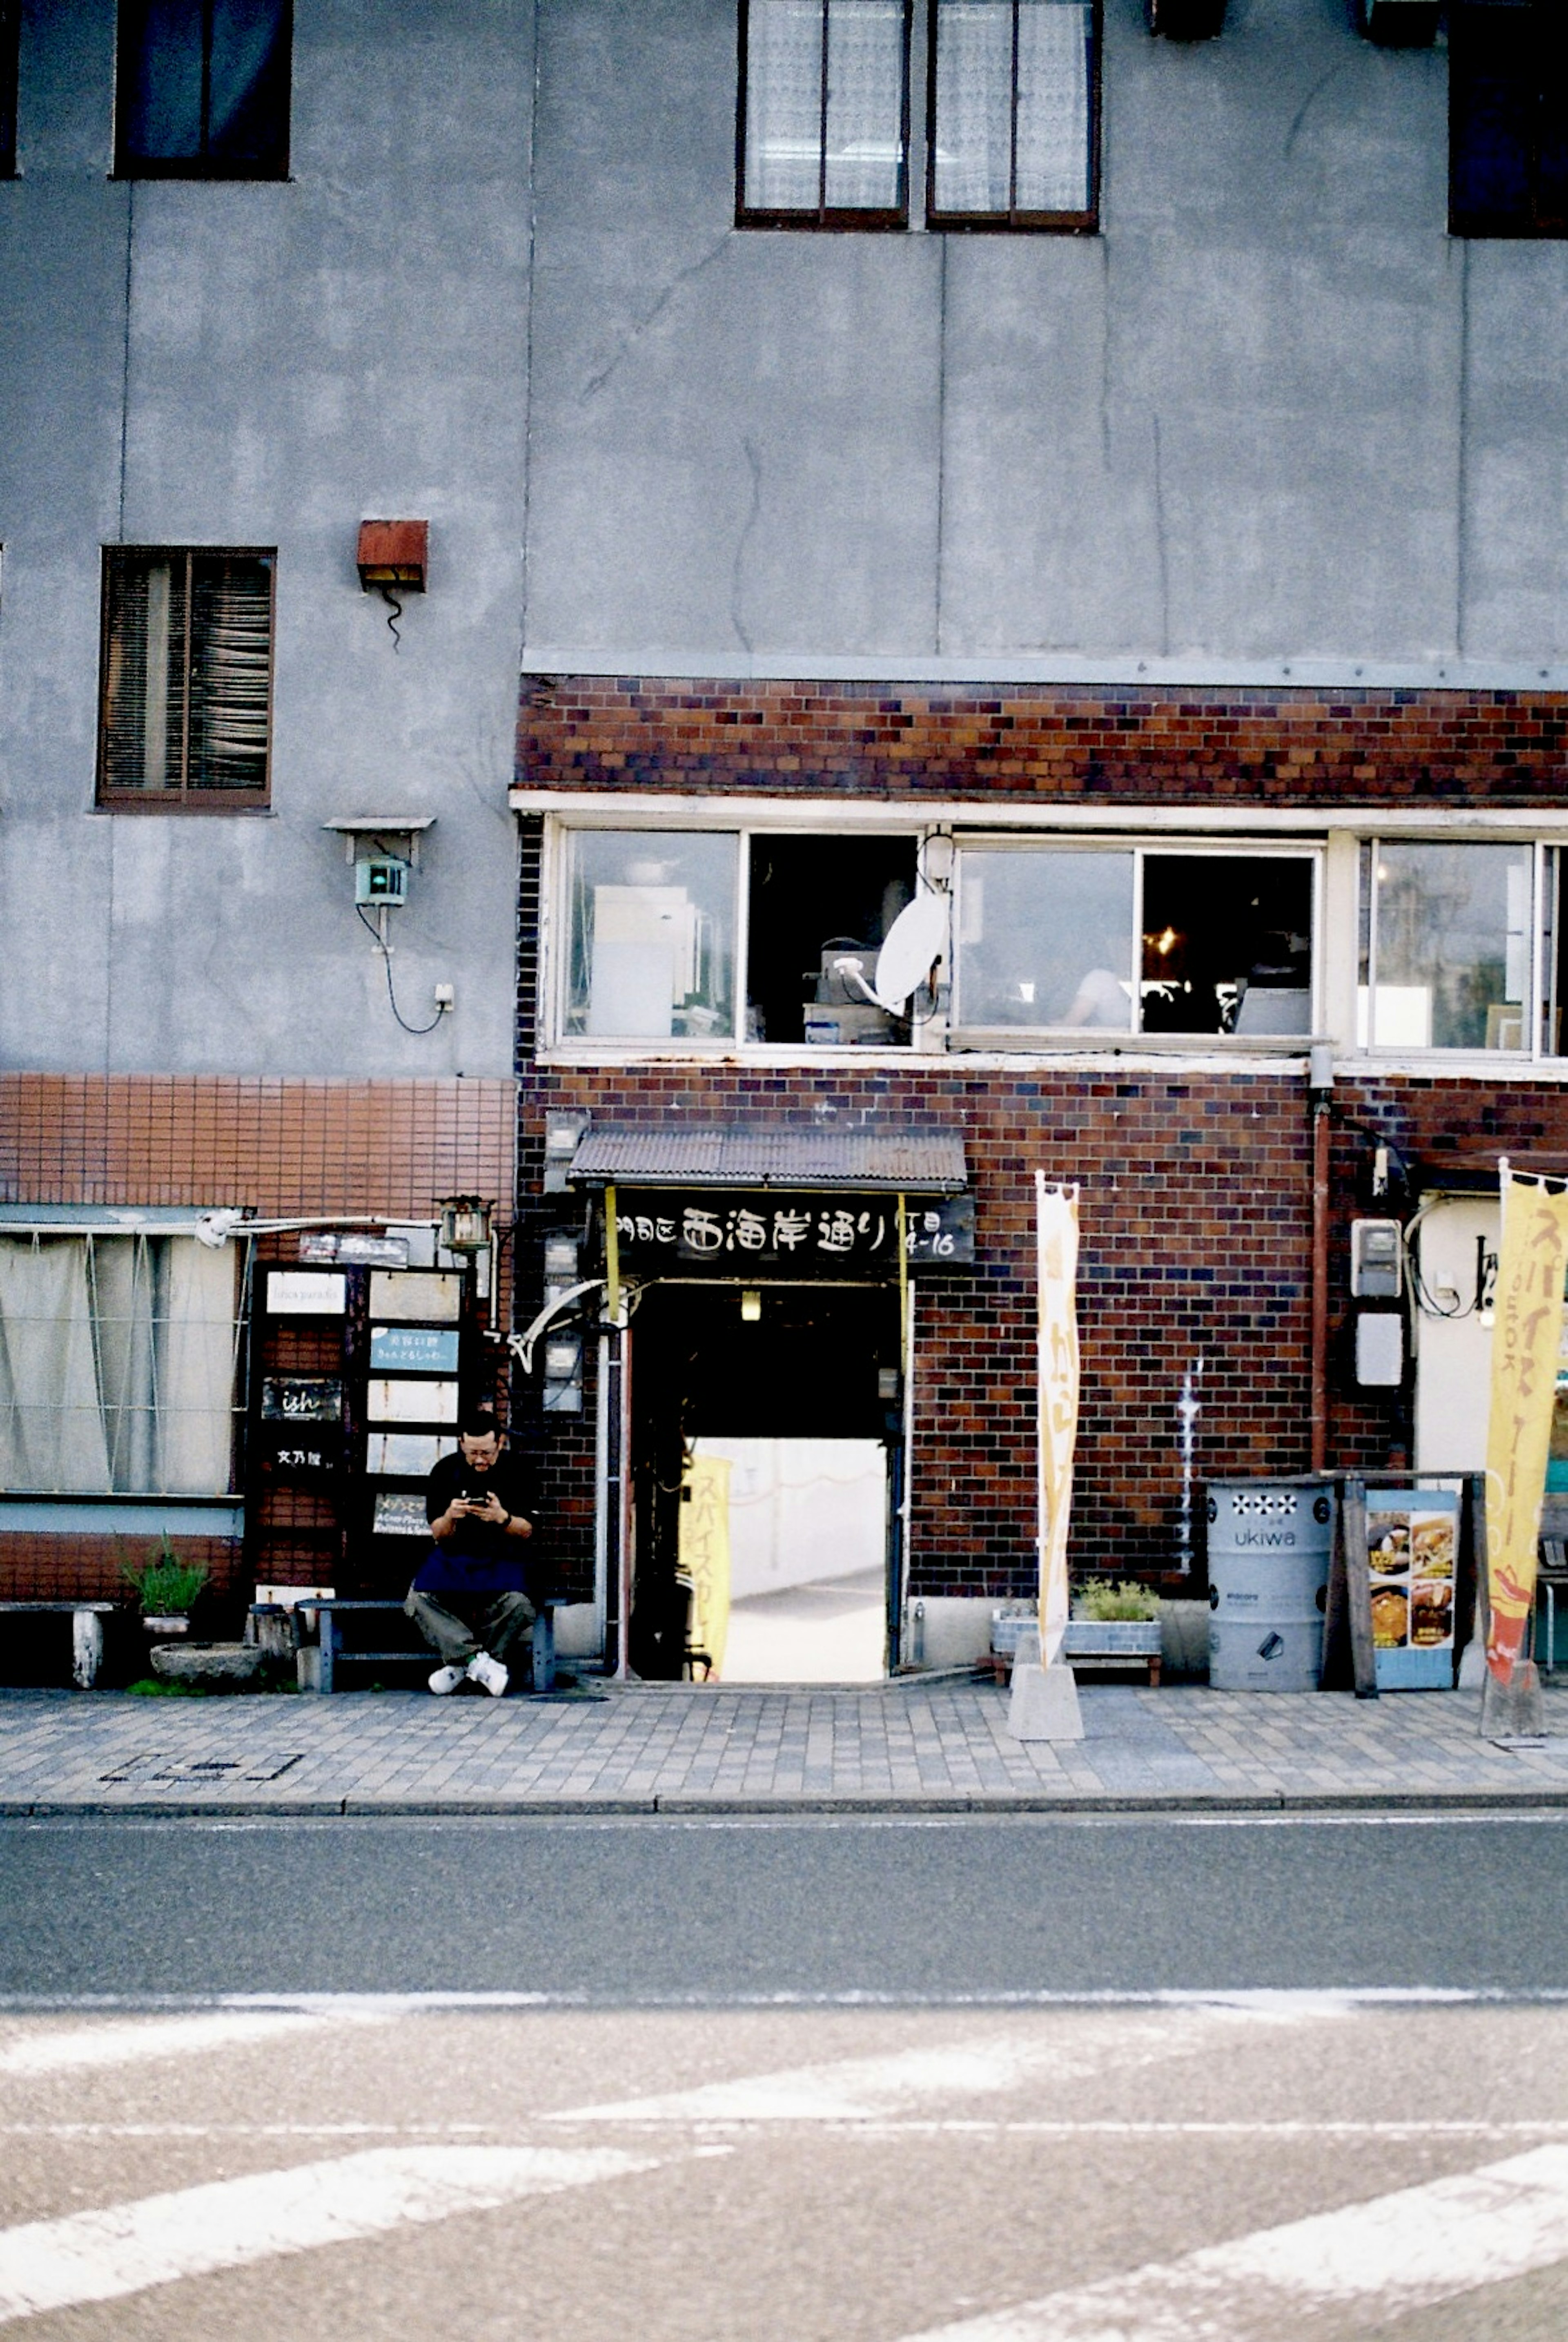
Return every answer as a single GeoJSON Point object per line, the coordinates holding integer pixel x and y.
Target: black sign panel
{"type": "Point", "coordinates": [301, 1398]}
{"type": "Point", "coordinates": [754, 1231]}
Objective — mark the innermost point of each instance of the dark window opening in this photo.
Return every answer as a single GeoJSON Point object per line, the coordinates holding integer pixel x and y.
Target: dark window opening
{"type": "Point", "coordinates": [187, 693]}
{"type": "Point", "coordinates": [202, 89]}
{"type": "Point", "coordinates": [10, 39]}
{"type": "Point", "coordinates": [820, 910]}
{"type": "Point", "coordinates": [1226, 944]}
{"type": "Point", "coordinates": [1013, 112]}
{"type": "Point", "coordinates": [823, 134]}
{"type": "Point", "coordinates": [1508, 118]}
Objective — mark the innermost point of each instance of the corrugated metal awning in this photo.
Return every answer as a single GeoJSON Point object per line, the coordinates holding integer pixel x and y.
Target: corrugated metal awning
{"type": "Point", "coordinates": [770, 1155]}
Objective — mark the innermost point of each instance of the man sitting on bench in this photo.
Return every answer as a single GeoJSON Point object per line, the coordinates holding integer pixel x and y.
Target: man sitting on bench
{"type": "Point", "coordinates": [470, 1599]}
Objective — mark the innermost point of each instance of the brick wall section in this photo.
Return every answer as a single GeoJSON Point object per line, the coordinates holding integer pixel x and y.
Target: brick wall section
{"type": "Point", "coordinates": [38, 1566]}
{"type": "Point", "coordinates": [1264, 747]}
{"type": "Point", "coordinates": [284, 1148]}
{"type": "Point", "coordinates": [1183, 1257]}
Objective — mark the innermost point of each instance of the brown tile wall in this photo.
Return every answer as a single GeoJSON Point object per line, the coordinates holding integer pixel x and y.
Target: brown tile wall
{"type": "Point", "coordinates": [38, 1566]}
{"type": "Point", "coordinates": [1276, 747]}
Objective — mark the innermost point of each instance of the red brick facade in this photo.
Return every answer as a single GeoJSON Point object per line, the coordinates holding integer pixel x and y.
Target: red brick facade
{"type": "Point", "coordinates": [1196, 1204]}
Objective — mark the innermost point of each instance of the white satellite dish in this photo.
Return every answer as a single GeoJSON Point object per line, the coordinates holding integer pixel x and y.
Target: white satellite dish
{"type": "Point", "coordinates": [917, 937]}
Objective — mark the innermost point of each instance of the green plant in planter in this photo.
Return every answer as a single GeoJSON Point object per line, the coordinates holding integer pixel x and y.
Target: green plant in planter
{"type": "Point", "coordinates": [166, 1585]}
{"type": "Point", "coordinates": [1098, 1599]}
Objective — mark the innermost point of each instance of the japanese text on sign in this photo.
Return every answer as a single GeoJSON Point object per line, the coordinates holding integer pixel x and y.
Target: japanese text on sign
{"type": "Point", "coordinates": [792, 1232]}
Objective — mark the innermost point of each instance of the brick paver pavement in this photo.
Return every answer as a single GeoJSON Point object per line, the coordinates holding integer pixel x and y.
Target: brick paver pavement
{"type": "Point", "coordinates": [942, 1744]}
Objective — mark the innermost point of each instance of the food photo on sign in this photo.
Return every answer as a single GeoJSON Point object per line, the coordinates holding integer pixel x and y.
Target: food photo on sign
{"type": "Point", "coordinates": [1412, 1549]}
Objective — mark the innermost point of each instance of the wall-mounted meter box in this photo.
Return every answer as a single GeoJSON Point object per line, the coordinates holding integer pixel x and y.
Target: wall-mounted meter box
{"type": "Point", "coordinates": [1376, 1260]}
{"type": "Point", "coordinates": [382, 878]}
{"type": "Point", "coordinates": [1379, 1348]}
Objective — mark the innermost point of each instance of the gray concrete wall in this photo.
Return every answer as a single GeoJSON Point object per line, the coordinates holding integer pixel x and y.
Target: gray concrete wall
{"type": "Point", "coordinates": [265, 365]}
{"type": "Point", "coordinates": [1272, 410]}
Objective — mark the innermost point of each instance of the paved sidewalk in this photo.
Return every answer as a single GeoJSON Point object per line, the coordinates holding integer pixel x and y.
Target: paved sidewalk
{"type": "Point", "coordinates": [683, 1749]}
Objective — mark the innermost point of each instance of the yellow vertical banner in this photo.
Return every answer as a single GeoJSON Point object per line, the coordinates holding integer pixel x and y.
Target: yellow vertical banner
{"type": "Point", "coordinates": [705, 1554]}
{"type": "Point", "coordinates": [1056, 1238]}
{"type": "Point", "coordinates": [1526, 1333]}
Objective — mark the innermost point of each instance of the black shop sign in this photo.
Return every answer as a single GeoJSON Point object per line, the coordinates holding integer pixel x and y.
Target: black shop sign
{"type": "Point", "coordinates": [806, 1235]}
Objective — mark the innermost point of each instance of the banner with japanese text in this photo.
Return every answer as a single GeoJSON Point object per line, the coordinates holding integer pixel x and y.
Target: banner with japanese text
{"type": "Point", "coordinates": [1526, 1333]}
{"type": "Point", "coordinates": [705, 1545]}
{"type": "Point", "coordinates": [1056, 1234]}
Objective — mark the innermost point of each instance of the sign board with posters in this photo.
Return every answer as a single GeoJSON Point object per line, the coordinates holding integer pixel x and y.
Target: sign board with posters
{"type": "Point", "coordinates": [1413, 1557]}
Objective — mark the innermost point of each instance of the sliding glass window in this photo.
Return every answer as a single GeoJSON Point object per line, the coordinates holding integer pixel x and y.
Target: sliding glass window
{"type": "Point", "coordinates": [1013, 135]}
{"type": "Point", "coordinates": [824, 124]}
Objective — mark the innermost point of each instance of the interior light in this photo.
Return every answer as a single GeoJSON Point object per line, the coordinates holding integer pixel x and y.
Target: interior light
{"type": "Point", "coordinates": [750, 1308]}
{"type": "Point", "coordinates": [1166, 943]}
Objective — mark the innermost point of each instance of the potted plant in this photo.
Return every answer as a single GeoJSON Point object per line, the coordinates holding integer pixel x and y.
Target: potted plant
{"type": "Point", "coordinates": [165, 1588]}
{"type": "Point", "coordinates": [1112, 1624]}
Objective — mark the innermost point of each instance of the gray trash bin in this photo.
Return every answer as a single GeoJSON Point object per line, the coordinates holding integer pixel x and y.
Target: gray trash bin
{"type": "Point", "coordinates": [1269, 1547]}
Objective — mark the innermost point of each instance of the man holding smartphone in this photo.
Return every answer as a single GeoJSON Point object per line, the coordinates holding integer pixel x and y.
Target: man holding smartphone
{"type": "Point", "coordinates": [470, 1599]}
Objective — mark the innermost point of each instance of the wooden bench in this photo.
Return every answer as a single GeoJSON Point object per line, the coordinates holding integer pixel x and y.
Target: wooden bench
{"type": "Point", "coordinates": [334, 1652]}
{"type": "Point", "coordinates": [86, 1632]}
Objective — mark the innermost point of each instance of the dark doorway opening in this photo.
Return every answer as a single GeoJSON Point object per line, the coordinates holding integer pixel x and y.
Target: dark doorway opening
{"type": "Point", "coordinates": [785, 1362]}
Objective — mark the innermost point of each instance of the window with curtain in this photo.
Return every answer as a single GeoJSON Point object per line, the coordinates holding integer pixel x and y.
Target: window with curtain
{"type": "Point", "coordinates": [118, 1366]}
{"type": "Point", "coordinates": [186, 696]}
{"type": "Point", "coordinates": [824, 128]}
{"type": "Point", "coordinates": [202, 89]}
{"type": "Point", "coordinates": [1013, 113]}
{"type": "Point", "coordinates": [10, 36]}
{"type": "Point", "coordinates": [1508, 118]}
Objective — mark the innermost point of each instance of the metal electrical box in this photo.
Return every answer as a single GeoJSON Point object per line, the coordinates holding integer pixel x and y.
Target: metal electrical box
{"type": "Point", "coordinates": [1376, 1260]}
{"type": "Point", "coordinates": [383, 878]}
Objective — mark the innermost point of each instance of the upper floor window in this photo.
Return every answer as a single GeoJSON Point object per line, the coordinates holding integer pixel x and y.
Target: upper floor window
{"type": "Point", "coordinates": [10, 37]}
{"type": "Point", "coordinates": [201, 90]}
{"type": "Point", "coordinates": [824, 113]}
{"type": "Point", "coordinates": [185, 712]}
{"type": "Point", "coordinates": [1126, 939]}
{"type": "Point", "coordinates": [1013, 105]}
{"type": "Point", "coordinates": [1446, 942]}
{"type": "Point", "coordinates": [1508, 117]}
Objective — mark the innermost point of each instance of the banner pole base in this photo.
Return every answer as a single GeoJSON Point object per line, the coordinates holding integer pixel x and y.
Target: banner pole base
{"type": "Point", "coordinates": [1044, 1704]}
{"type": "Point", "coordinates": [1514, 1711]}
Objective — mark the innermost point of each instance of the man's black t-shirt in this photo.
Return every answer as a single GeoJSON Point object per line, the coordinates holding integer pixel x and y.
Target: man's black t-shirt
{"type": "Point", "coordinates": [478, 1557]}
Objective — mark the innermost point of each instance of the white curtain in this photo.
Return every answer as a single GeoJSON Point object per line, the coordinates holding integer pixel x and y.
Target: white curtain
{"type": "Point", "coordinates": [863, 157]}
{"type": "Point", "coordinates": [784, 104]}
{"type": "Point", "coordinates": [865, 105]}
{"type": "Point", "coordinates": [974, 127]}
{"type": "Point", "coordinates": [117, 1358]}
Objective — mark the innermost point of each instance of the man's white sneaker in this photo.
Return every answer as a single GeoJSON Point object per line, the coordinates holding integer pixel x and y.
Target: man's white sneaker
{"type": "Point", "coordinates": [489, 1674]}
{"type": "Point", "coordinates": [448, 1679]}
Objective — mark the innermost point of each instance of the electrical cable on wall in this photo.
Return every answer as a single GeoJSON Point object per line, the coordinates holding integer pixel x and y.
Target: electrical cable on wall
{"type": "Point", "coordinates": [384, 948]}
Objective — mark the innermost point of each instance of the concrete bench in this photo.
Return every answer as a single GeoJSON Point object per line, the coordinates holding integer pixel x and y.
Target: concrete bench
{"type": "Point", "coordinates": [332, 1651]}
{"type": "Point", "coordinates": [86, 1632]}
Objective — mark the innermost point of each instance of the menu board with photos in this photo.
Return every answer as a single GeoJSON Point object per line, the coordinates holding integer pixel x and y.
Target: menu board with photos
{"type": "Point", "coordinates": [1412, 1557]}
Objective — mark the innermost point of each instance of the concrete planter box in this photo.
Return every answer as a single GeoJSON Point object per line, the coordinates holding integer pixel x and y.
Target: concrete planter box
{"type": "Point", "coordinates": [1106, 1638]}
{"type": "Point", "coordinates": [219, 1667]}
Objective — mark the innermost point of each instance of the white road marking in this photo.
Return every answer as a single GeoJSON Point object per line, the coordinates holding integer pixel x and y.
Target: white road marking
{"type": "Point", "coordinates": [1382, 2259]}
{"type": "Point", "coordinates": [229, 2223]}
{"type": "Point", "coordinates": [883, 2127]}
{"type": "Point", "coordinates": [129, 2044]}
{"type": "Point", "coordinates": [863, 2089]}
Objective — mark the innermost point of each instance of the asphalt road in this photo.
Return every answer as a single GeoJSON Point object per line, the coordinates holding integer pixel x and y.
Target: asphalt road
{"type": "Point", "coordinates": [651, 1910]}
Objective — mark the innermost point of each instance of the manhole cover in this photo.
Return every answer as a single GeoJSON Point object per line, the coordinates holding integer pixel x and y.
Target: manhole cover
{"type": "Point", "coordinates": [187, 1772]}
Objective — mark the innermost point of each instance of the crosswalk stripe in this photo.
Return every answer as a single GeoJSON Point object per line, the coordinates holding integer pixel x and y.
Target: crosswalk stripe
{"type": "Point", "coordinates": [228, 2223]}
{"type": "Point", "coordinates": [1394, 2254]}
{"type": "Point", "coordinates": [862, 2090]}
{"type": "Point", "coordinates": [122, 2043]}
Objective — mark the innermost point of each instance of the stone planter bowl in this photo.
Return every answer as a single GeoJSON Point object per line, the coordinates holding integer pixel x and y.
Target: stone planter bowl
{"type": "Point", "coordinates": [219, 1667]}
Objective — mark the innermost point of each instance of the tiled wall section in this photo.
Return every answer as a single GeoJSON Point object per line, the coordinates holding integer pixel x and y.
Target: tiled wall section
{"type": "Point", "coordinates": [1275, 747]}
{"type": "Point", "coordinates": [280, 1147]}
{"type": "Point", "coordinates": [38, 1568]}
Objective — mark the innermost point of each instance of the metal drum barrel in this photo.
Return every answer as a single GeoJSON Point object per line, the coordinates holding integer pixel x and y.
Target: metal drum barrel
{"type": "Point", "coordinates": [1269, 1547]}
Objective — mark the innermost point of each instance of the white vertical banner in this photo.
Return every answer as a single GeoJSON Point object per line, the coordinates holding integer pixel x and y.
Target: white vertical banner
{"type": "Point", "coordinates": [1056, 1238]}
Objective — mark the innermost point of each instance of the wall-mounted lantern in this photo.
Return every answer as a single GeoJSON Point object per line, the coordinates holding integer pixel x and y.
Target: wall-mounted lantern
{"type": "Point", "coordinates": [464, 1224]}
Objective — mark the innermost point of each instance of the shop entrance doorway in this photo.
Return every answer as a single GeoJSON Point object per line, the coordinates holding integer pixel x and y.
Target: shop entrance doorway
{"type": "Point", "coordinates": [766, 1462]}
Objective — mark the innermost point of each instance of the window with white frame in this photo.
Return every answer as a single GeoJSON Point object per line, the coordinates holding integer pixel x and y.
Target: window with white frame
{"type": "Point", "coordinates": [1101, 938]}
{"type": "Point", "coordinates": [725, 935]}
{"type": "Point", "coordinates": [119, 1361]}
{"type": "Point", "coordinates": [1447, 935]}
